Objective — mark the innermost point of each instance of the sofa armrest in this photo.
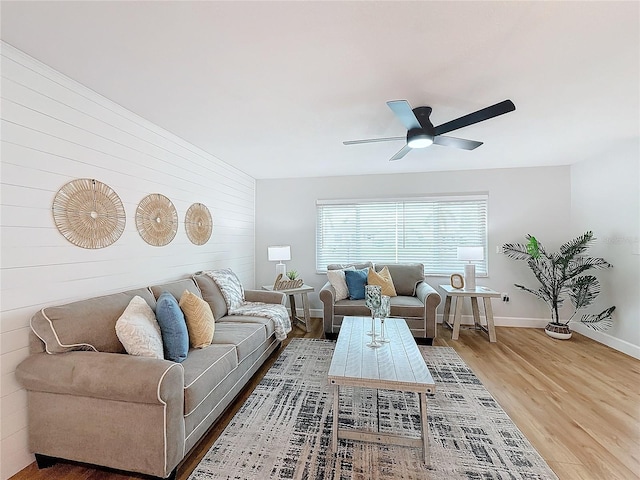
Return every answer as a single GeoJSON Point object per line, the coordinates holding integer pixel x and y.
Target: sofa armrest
{"type": "Point", "coordinates": [327, 295]}
{"type": "Point", "coordinates": [111, 376]}
{"type": "Point", "coordinates": [430, 298]}
{"type": "Point", "coordinates": [265, 296]}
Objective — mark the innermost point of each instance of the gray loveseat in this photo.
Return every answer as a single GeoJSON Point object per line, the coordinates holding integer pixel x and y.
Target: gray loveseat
{"type": "Point", "coordinates": [416, 302]}
{"type": "Point", "coordinates": [90, 402]}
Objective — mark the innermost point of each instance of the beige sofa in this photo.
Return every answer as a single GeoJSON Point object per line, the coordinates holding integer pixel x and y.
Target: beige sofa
{"type": "Point", "coordinates": [416, 302]}
{"type": "Point", "coordinates": [88, 401]}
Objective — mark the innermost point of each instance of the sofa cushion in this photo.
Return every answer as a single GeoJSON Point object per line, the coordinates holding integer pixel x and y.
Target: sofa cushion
{"type": "Point", "coordinates": [176, 288]}
{"type": "Point", "coordinates": [356, 280]}
{"type": "Point", "coordinates": [230, 286]}
{"type": "Point", "coordinates": [269, 327]}
{"type": "Point", "coordinates": [204, 369]}
{"type": "Point", "coordinates": [175, 337]}
{"type": "Point", "coordinates": [406, 276]}
{"type": "Point", "coordinates": [87, 324]}
{"type": "Point", "coordinates": [246, 337]}
{"type": "Point", "coordinates": [211, 294]}
{"type": "Point", "coordinates": [138, 330]}
{"type": "Point", "coordinates": [383, 280]}
{"type": "Point", "coordinates": [199, 318]}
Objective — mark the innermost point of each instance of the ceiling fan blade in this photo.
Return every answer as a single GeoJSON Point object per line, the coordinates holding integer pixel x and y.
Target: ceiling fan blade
{"type": "Point", "coordinates": [403, 111]}
{"type": "Point", "coordinates": [373, 140]}
{"type": "Point", "coordinates": [475, 117]}
{"type": "Point", "coordinates": [456, 142]}
{"type": "Point", "coordinates": [406, 149]}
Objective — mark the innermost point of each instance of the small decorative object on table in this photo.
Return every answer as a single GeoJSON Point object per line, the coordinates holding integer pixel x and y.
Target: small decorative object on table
{"type": "Point", "coordinates": [281, 284]}
{"type": "Point", "coordinates": [457, 281]}
{"type": "Point", "coordinates": [373, 301]}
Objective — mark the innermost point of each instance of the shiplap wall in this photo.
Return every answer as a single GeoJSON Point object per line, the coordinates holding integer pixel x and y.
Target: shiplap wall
{"type": "Point", "coordinates": [55, 130]}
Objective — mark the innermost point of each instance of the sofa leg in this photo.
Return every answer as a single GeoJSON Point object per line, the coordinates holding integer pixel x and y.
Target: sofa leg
{"type": "Point", "coordinates": [173, 475]}
{"type": "Point", "coordinates": [45, 461]}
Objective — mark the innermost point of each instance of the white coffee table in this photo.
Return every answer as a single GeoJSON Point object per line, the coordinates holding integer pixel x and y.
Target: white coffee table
{"type": "Point", "coordinates": [397, 365]}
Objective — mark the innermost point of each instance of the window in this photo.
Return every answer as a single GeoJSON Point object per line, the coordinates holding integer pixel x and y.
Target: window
{"type": "Point", "coordinates": [424, 230]}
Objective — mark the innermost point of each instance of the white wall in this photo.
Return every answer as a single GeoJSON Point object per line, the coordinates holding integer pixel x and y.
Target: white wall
{"type": "Point", "coordinates": [53, 131]}
{"type": "Point", "coordinates": [605, 198]}
{"type": "Point", "coordinates": [521, 201]}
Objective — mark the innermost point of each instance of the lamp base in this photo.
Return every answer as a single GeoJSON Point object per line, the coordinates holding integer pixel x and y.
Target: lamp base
{"type": "Point", "coordinates": [281, 268]}
{"type": "Point", "coordinates": [469, 276]}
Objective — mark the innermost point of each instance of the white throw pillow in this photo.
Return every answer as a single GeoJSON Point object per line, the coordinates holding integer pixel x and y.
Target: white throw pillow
{"type": "Point", "coordinates": [138, 330]}
{"type": "Point", "coordinates": [338, 282]}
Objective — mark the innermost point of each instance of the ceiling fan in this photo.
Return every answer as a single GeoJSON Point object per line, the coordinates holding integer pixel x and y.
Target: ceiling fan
{"type": "Point", "coordinates": [421, 132]}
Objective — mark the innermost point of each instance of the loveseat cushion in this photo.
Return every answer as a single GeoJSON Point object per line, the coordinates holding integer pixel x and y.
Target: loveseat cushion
{"type": "Point", "coordinates": [356, 281]}
{"type": "Point", "coordinates": [204, 369]}
{"type": "Point", "coordinates": [87, 324]}
{"type": "Point", "coordinates": [405, 276]}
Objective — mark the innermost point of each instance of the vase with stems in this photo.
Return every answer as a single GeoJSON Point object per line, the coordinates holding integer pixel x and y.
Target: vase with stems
{"type": "Point", "coordinates": [373, 301]}
{"type": "Point", "coordinates": [382, 313]}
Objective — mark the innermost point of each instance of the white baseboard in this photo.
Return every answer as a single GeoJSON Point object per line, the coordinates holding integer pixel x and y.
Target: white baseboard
{"type": "Point", "coordinates": [506, 321]}
{"type": "Point", "coordinates": [600, 337]}
{"type": "Point", "coordinates": [606, 339]}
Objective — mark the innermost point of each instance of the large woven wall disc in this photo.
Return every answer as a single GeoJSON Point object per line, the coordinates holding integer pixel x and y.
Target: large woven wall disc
{"type": "Point", "coordinates": [156, 220]}
{"type": "Point", "coordinates": [198, 224]}
{"type": "Point", "coordinates": [88, 213]}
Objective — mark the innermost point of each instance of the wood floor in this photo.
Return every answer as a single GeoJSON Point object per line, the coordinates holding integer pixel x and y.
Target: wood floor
{"type": "Point", "coordinates": [577, 401]}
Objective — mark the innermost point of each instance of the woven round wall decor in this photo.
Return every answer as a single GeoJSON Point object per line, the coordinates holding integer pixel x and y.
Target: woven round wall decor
{"type": "Point", "coordinates": [156, 220]}
{"type": "Point", "coordinates": [198, 224]}
{"type": "Point", "coordinates": [88, 213]}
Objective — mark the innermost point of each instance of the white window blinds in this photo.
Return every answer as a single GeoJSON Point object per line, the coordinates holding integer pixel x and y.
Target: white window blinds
{"type": "Point", "coordinates": [425, 230]}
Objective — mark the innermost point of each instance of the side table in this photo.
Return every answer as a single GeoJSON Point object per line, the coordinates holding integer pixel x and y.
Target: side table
{"type": "Point", "coordinates": [291, 293]}
{"type": "Point", "coordinates": [459, 294]}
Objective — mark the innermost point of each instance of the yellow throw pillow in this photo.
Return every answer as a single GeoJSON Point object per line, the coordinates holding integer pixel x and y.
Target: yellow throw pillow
{"type": "Point", "coordinates": [383, 279]}
{"type": "Point", "coordinates": [199, 318]}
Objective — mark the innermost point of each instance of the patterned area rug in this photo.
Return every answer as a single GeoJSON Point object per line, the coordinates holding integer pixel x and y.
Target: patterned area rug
{"type": "Point", "coordinates": [283, 431]}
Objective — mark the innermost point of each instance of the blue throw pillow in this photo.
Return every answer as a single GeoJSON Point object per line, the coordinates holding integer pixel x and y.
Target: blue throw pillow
{"type": "Point", "coordinates": [173, 327]}
{"type": "Point", "coordinates": [356, 280]}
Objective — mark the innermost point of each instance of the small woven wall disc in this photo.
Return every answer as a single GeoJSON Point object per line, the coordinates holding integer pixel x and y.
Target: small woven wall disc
{"type": "Point", "coordinates": [156, 220]}
{"type": "Point", "coordinates": [88, 213]}
{"type": "Point", "coordinates": [198, 224]}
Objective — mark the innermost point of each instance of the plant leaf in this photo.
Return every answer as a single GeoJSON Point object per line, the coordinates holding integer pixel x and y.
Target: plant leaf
{"type": "Point", "coordinates": [599, 322]}
{"type": "Point", "coordinates": [583, 290]}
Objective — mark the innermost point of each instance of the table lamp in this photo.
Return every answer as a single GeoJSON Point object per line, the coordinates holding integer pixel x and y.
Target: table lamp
{"type": "Point", "coordinates": [470, 254]}
{"type": "Point", "coordinates": [277, 253]}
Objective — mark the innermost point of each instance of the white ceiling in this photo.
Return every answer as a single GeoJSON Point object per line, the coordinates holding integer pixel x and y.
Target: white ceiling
{"type": "Point", "coordinates": [275, 87]}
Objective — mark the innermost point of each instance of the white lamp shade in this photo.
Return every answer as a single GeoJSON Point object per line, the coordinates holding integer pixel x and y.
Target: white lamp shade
{"type": "Point", "coordinates": [277, 253]}
{"type": "Point", "coordinates": [470, 253]}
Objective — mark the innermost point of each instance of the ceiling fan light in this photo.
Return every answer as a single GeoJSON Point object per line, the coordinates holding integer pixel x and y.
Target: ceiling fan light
{"type": "Point", "coordinates": [420, 141]}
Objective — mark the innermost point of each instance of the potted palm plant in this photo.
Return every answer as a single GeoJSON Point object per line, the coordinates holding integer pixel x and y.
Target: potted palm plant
{"type": "Point", "coordinates": [562, 274]}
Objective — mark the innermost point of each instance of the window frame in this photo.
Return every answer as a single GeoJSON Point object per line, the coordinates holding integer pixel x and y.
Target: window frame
{"type": "Point", "coordinates": [447, 267]}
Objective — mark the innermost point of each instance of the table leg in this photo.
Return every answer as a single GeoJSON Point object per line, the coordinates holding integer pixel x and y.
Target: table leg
{"type": "Point", "coordinates": [488, 311]}
{"type": "Point", "coordinates": [447, 311]}
{"type": "Point", "coordinates": [307, 312]}
{"type": "Point", "coordinates": [425, 429]}
{"type": "Point", "coordinates": [334, 431]}
{"type": "Point", "coordinates": [457, 319]}
{"type": "Point", "coordinates": [476, 312]}
{"type": "Point", "coordinates": [294, 311]}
